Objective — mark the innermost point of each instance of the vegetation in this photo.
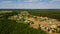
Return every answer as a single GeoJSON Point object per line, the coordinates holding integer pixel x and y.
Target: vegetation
{"type": "Point", "coordinates": [52, 13]}
{"type": "Point", "coordinates": [47, 13]}
{"type": "Point", "coordinates": [12, 27]}
{"type": "Point", "coordinates": [17, 27]}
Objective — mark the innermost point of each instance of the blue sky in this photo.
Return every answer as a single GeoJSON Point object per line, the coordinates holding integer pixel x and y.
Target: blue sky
{"type": "Point", "coordinates": [29, 4]}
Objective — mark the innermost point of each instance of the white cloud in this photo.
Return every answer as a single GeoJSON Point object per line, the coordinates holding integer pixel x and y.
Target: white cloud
{"type": "Point", "coordinates": [40, 5]}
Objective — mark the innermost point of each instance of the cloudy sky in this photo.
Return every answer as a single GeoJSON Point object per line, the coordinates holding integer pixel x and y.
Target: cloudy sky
{"type": "Point", "coordinates": [29, 4]}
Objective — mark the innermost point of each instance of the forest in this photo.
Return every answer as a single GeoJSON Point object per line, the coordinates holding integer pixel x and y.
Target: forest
{"type": "Point", "coordinates": [12, 27]}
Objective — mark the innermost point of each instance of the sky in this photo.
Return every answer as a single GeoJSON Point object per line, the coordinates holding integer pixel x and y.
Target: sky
{"type": "Point", "coordinates": [29, 4]}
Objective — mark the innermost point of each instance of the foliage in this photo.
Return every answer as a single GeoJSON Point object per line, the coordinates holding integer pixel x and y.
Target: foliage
{"type": "Point", "coordinates": [46, 13]}
{"type": "Point", "coordinates": [11, 27]}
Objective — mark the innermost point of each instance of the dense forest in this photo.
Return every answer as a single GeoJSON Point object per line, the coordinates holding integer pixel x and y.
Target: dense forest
{"type": "Point", "coordinates": [52, 13]}
{"type": "Point", "coordinates": [12, 27]}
